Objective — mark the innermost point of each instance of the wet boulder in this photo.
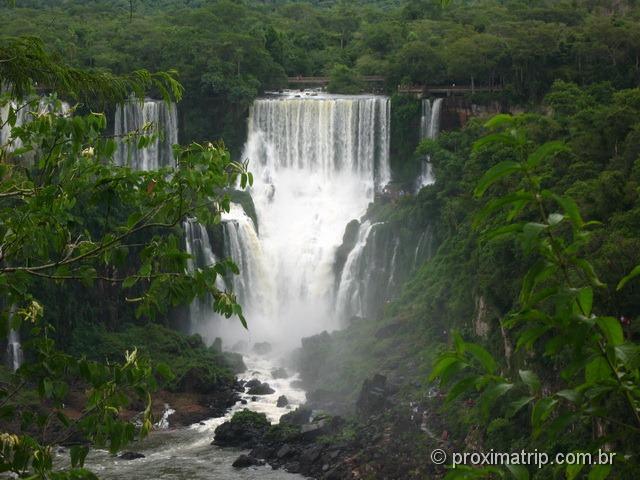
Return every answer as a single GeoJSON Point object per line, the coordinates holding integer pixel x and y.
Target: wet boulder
{"type": "Point", "coordinates": [130, 456]}
{"type": "Point", "coordinates": [373, 396]}
{"type": "Point", "coordinates": [282, 401]}
{"type": "Point", "coordinates": [256, 387]}
{"type": "Point", "coordinates": [299, 416]}
{"type": "Point", "coordinates": [245, 461]}
{"type": "Point", "coordinates": [245, 430]}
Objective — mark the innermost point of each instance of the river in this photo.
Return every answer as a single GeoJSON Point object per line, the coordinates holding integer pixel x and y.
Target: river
{"type": "Point", "coordinates": [187, 453]}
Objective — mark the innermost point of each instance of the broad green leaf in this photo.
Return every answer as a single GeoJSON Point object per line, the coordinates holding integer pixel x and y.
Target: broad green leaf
{"type": "Point", "coordinates": [585, 300]}
{"type": "Point", "coordinates": [570, 209]}
{"type": "Point", "coordinates": [519, 472]}
{"type": "Point", "coordinates": [483, 356]}
{"type": "Point", "coordinates": [491, 394]}
{"type": "Point", "coordinates": [504, 231]}
{"type": "Point", "coordinates": [517, 405]}
{"type": "Point", "coordinates": [494, 174]}
{"type": "Point", "coordinates": [572, 471]}
{"type": "Point", "coordinates": [597, 370]}
{"type": "Point", "coordinates": [494, 139]}
{"type": "Point", "coordinates": [611, 329]}
{"type": "Point", "coordinates": [529, 336]}
{"type": "Point", "coordinates": [544, 152]}
{"type": "Point", "coordinates": [78, 455]}
{"type": "Point", "coordinates": [629, 355]}
{"type": "Point", "coordinates": [573, 396]}
{"type": "Point", "coordinates": [626, 279]}
{"type": "Point", "coordinates": [442, 363]}
{"type": "Point", "coordinates": [541, 410]}
{"type": "Point", "coordinates": [599, 472]}
{"type": "Point", "coordinates": [531, 380]}
{"type": "Point", "coordinates": [499, 121]}
{"type": "Point", "coordinates": [495, 204]}
{"type": "Point", "coordinates": [462, 386]}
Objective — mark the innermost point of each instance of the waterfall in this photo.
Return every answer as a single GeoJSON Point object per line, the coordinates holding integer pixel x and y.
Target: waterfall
{"type": "Point", "coordinates": [374, 270]}
{"type": "Point", "coordinates": [14, 350]}
{"type": "Point", "coordinates": [350, 299]}
{"type": "Point", "coordinates": [24, 114]}
{"type": "Point", "coordinates": [429, 129]}
{"type": "Point", "coordinates": [198, 246]}
{"type": "Point", "coordinates": [317, 163]}
{"type": "Point", "coordinates": [148, 117]}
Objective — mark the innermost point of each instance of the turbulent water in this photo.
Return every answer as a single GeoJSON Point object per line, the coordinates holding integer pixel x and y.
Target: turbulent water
{"type": "Point", "coordinates": [429, 128]}
{"type": "Point", "coordinates": [187, 453]}
{"type": "Point", "coordinates": [150, 118]}
{"type": "Point", "coordinates": [317, 161]}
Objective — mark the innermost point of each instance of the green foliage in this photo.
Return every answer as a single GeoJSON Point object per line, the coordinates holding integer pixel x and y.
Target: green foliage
{"type": "Point", "coordinates": [556, 316]}
{"type": "Point", "coordinates": [250, 418]}
{"type": "Point", "coordinates": [344, 80]}
{"type": "Point", "coordinates": [69, 215]}
{"type": "Point", "coordinates": [193, 365]}
{"type": "Point", "coordinates": [229, 52]}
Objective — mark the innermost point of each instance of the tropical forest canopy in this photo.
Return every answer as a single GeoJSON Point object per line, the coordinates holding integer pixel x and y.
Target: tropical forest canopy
{"type": "Point", "coordinates": [226, 53]}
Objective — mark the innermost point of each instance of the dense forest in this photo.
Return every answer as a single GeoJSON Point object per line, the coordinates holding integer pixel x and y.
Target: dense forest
{"type": "Point", "coordinates": [493, 308]}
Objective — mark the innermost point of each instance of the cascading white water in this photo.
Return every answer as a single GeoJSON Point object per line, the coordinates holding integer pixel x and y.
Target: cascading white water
{"type": "Point", "coordinates": [317, 163]}
{"type": "Point", "coordinates": [14, 350]}
{"type": "Point", "coordinates": [148, 117]}
{"type": "Point", "coordinates": [429, 129]}
{"type": "Point", "coordinates": [25, 113]}
{"type": "Point", "coordinates": [198, 246]}
{"type": "Point", "coordinates": [350, 299]}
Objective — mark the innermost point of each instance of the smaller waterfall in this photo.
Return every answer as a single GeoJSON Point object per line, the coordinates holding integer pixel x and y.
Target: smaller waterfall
{"type": "Point", "coordinates": [24, 114]}
{"type": "Point", "coordinates": [378, 263]}
{"type": "Point", "coordinates": [350, 302]}
{"type": "Point", "coordinates": [252, 285]}
{"type": "Point", "coordinates": [148, 117]}
{"type": "Point", "coordinates": [429, 129]}
{"type": "Point", "coordinates": [14, 350]}
{"type": "Point", "coordinates": [198, 245]}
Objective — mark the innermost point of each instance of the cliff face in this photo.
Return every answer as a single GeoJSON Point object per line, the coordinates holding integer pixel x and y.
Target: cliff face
{"type": "Point", "coordinates": [457, 111]}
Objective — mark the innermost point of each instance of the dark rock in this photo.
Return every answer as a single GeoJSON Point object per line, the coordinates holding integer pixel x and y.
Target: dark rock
{"type": "Point", "coordinates": [299, 416]}
{"type": "Point", "coordinates": [217, 345]}
{"type": "Point", "coordinates": [282, 401]}
{"type": "Point", "coordinates": [255, 387]}
{"type": "Point", "coordinates": [254, 382]}
{"type": "Point", "coordinates": [373, 396]}
{"type": "Point", "coordinates": [130, 456]}
{"type": "Point", "coordinates": [311, 454]}
{"type": "Point", "coordinates": [261, 452]}
{"type": "Point", "coordinates": [243, 401]}
{"type": "Point", "coordinates": [285, 451]}
{"type": "Point", "coordinates": [313, 430]}
{"type": "Point", "coordinates": [253, 399]}
{"type": "Point", "coordinates": [292, 467]}
{"type": "Point", "coordinates": [277, 373]}
{"type": "Point", "coordinates": [244, 461]}
{"type": "Point", "coordinates": [262, 348]}
{"type": "Point", "coordinates": [245, 430]}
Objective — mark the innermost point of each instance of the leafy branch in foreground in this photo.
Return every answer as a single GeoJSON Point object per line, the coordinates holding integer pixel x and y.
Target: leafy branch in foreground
{"type": "Point", "coordinates": [68, 214]}
{"type": "Point", "coordinates": [596, 388]}
{"type": "Point", "coordinates": [24, 61]}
